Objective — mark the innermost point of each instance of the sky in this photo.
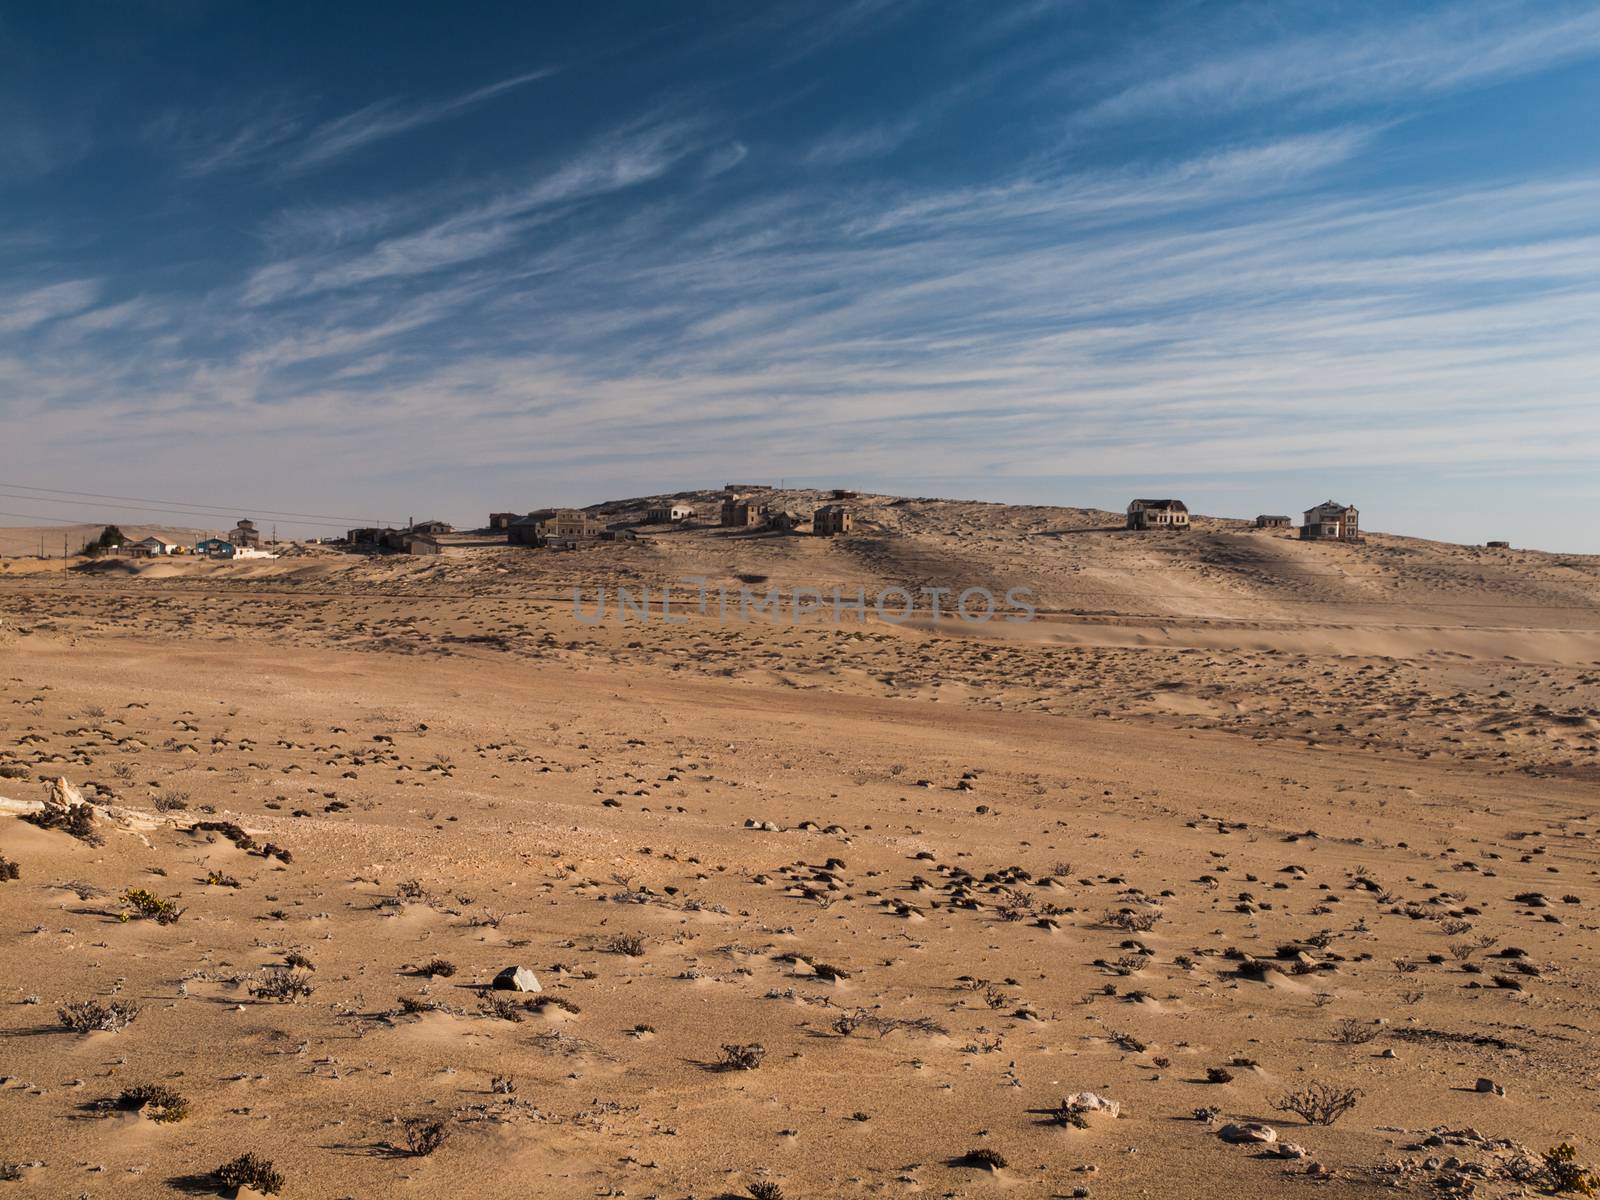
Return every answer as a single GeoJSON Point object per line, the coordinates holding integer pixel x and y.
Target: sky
{"type": "Point", "coordinates": [379, 261]}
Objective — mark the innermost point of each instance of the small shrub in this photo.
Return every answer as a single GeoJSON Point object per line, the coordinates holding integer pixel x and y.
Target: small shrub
{"type": "Point", "coordinates": [442, 968]}
{"type": "Point", "coordinates": [172, 801]}
{"type": "Point", "coordinates": [1218, 1075]}
{"type": "Point", "coordinates": [1070, 1113]}
{"type": "Point", "coordinates": [148, 905]}
{"type": "Point", "coordinates": [412, 1005]}
{"type": "Point", "coordinates": [299, 961]}
{"type": "Point", "coordinates": [424, 1135]}
{"type": "Point", "coordinates": [9, 870]}
{"type": "Point", "coordinates": [505, 1010]}
{"type": "Point", "coordinates": [90, 1016]}
{"type": "Point", "coordinates": [626, 943]}
{"type": "Point", "coordinates": [73, 817]}
{"type": "Point", "coordinates": [154, 1101]}
{"type": "Point", "coordinates": [984, 1157]}
{"type": "Point", "coordinates": [218, 879]}
{"type": "Point", "coordinates": [1319, 1103]}
{"type": "Point", "coordinates": [1354, 1032]}
{"type": "Point", "coordinates": [1130, 920]}
{"type": "Point", "coordinates": [1560, 1172]}
{"type": "Point", "coordinates": [503, 1085]}
{"type": "Point", "coordinates": [251, 1171]}
{"type": "Point", "coordinates": [742, 1057]}
{"type": "Point", "coordinates": [765, 1189]}
{"type": "Point", "coordinates": [281, 984]}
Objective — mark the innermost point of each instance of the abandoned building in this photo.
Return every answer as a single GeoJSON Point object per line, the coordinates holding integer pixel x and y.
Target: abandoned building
{"type": "Point", "coordinates": [1498, 545]}
{"type": "Point", "coordinates": [831, 520]}
{"type": "Point", "coordinates": [669, 514]}
{"type": "Point", "coordinates": [150, 547]}
{"type": "Point", "coordinates": [1331, 521]}
{"type": "Point", "coordinates": [1272, 521]}
{"type": "Point", "coordinates": [747, 487]}
{"type": "Point", "coordinates": [1158, 514]}
{"type": "Point", "coordinates": [214, 547]}
{"type": "Point", "coordinates": [432, 528]}
{"type": "Point", "coordinates": [568, 526]}
{"type": "Point", "coordinates": [500, 522]}
{"type": "Point", "coordinates": [410, 541]}
{"type": "Point", "coordinates": [842, 494]}
{"type": "Point", "coordinates": [244, 534]}
{"type": "Point", "coordinates": [784, 521]}
{"type": "Point", "coordinates": [742, 512]}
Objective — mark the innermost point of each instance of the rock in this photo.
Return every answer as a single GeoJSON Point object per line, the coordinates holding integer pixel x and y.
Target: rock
{"type": "Point", "coordinates": [1289, 1150]}
{"type": "Point", "coordinates": [1250, 1132]}
{"type": "Point", "coordinates": [1490, 1087]}
{"type": "Point", "coordinates": [1389, 1053]}
{"type": "Point", "coordinates": [1090, 1102]}
{"type": "Point", "coordinates": [516, 979]}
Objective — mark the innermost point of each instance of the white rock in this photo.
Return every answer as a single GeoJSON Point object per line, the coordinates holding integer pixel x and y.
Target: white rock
{"type": "Point", "coordinates": [516, 979]}
{"type": "Point", "coordinates": [1249, 1132]}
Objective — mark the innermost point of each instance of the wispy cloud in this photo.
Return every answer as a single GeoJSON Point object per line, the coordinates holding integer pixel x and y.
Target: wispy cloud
{"type": "Point", "coordinates": [852, 145]}
{"type": "Point", "coordinates": [281, 132]}
{"type": "Point", "coordinates": [338, 137]}
{"type": "Point", "coordinates": [1219, 67]}
{"type": "Point", "coordinates": [21, 311]}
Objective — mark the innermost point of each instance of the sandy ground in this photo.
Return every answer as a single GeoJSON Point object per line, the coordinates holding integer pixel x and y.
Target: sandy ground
{"type": "Point", "coordinates": [1234, 817]}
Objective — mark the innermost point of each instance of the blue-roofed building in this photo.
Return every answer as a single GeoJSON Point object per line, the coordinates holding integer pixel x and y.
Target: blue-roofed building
{"type": "Point", "coordinates": [214, 547]}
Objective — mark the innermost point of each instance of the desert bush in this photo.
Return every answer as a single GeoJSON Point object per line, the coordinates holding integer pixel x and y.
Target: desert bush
{"type": "Point", "coordinates": [218, 879]}
{"type": "Point", "coordinates": [1319, 1103]}
{"type": "Point", "coordinates": [1560, 1172]}
{"type": "Point", "coordinates": [69, 816]}
{"type": "Point", "coordinates": [630, 944]}
{"type": "Point", "coordinates": [1354, 1032]}
{"type": "Point", "coordinates": [153, 1100]}
{"type": "Point", "coordinates": [441, 967]}
{"type": "Point", "coordinates": [503, 1009]}
{"type": "Point", "coordinates": [9, 870]}
{"type": "Point", "coordinates": [172, 801]}
{"type": "Point", "coordinates": [90, 1016]}
{"type": "Point", "coordinates": [1218, 1075]}
{"type": "Point", "coordinates": [765, 1189]}
{"type": "Point", "coordinates": [296, 959]}
{"type": "Point", "coordinates": [737, 1057]}
{"type": "Point", "coordinates": [412, 1005]}
{"type": "Point", "coordinates": [984, 1157]}
{"type": "Point", "coordinates": [1131, 920]}
{"type": "Point", "coordinates": [282, 984]}
{"type": "Point", "coordinates": [1070, 1113]}
{"type": "Point", "coordinates": [148, 905]}
{"type": "Point", "coordinates": [424, 1135]}
{"type": "Point", "coordinates": [251, 1171]}
{"type": "Point", "coordinates": [540, 1003]}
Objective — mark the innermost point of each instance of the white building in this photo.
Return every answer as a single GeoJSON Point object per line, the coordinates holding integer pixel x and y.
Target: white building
{"type": "Point", "coordinates": [1331, 521]}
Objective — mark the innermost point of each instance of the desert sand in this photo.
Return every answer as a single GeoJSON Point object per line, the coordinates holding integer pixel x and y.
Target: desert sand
{"type": "Point", "coordinates": [1062, 907]}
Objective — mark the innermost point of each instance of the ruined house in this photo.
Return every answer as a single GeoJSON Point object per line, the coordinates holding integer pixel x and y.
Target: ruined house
{"type": "Point", "coordinates": [742, 512]}
{"type": "Point", "coordinates": [669, 514]}
{"type": "Point", "coordinates": [244, 534]}
{"type": "Point", "coordinates": [1272, 521]}
{"type": "Point", "coordinates": [831, 520]}
{"type": "Point", "coordinates": [1158, 514]}
{"type": "Point", "coordinates": [1331, 521]}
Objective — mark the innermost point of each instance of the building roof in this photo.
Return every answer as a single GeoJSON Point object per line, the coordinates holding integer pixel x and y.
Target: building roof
{"type": "Point", "coordinates": [1171, 505]}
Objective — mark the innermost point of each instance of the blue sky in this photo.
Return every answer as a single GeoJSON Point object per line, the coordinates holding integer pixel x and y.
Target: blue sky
{"type": "Point", "coordinates": [404, 259]}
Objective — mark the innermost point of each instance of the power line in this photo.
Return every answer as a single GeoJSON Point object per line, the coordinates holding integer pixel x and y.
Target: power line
{"type": "Point", "coordinates": [212, 517]}
{"type": "Point", "coordinates": [173, 506]}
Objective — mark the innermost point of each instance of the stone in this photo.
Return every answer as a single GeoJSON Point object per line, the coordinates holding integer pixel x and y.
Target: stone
{"type": "Point", "coordinates": [1489, 1087]}
{"type": "Point", "coordinates": [1248, 1133]}
{"type": "Point", "coordinates": [1091, 1102]}
{"type": "Point", "coordinates": [516, 979]}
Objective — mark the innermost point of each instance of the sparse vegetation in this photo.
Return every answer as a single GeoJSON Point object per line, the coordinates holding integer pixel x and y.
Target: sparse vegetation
{"type": "Point", "coordinates": [1131, 920]}
{"type": "Point", "coordinates": [765, 1189]}
{"type": "Point", "coordinates": [283, 984]}
{"type": "Point", "coordinates": [626, 943]}
{"type": "Point", "coordinates": [441, 968]}
{"type": "Point", "coordinates": [251, 1171]}
{"type": "Point", "coordinates": [153, 1100]}
{"type": "Point", "coordinates": [737, 1057]}
{"type": "Point", "coordinates": [424, 1135]}
{"type": "Point", "coordinates": [90, 1016]}
{"type": "Point", "coordinates": [984, 1157]}
{"type": "Point", "coordinates": [1562, 1174]}
{"type": "Point", "coordinates": [1354, 1032]}
{"type": "Point", "coordinates": [70, 816]}
{"type": "Point", "coordinates": [1319, 1103]}
{"type": "Point", "coordinates": [141, 903]}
